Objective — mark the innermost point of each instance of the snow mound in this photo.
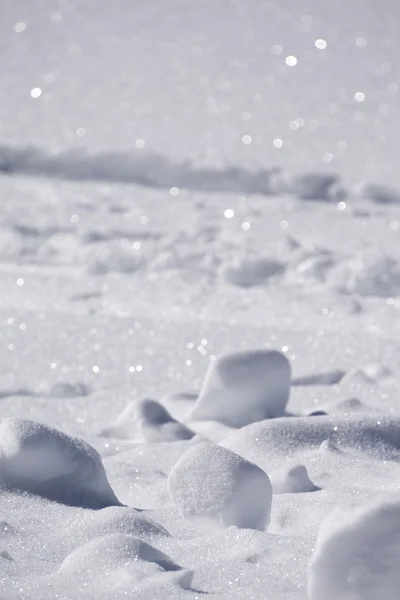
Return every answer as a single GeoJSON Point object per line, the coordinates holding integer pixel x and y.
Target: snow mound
{"type": "Point", "coordinates": [292, 481]}
{"type": "Point", "coordinates": [311, 266]}
{"type": "Point", "coordinates": [158, 425]}
{"type": "Point", "coordinates": [315, 186]}
{"type": "Point", "coordinates": [348, 405]}
{"type": "Point", "coordinates": [244, 387]}
{"type": "Point", "coordinates": [368, 274]}
{"type": "Point", "coordinates": [212, 485]}
{"type": "Point", "coordinates": [44, 461]}
{"type": "Point", "coordinates": [107, 551]}
{"type": "Point", "coordinates": [117, 256]}
{"type": "Point", "coordinates": [118, 561]}
{"type": "Point", "coordinates": [148, 421]}
{"type": "Point", "coordinates": [275, 440]}
{"type": "Point", "coordinates": [357, 554]}
{"type": "Point", "coordinates": [369, 374]}
{"type": "Point", "coordinates": [251, 271]}
{"type": "Point", "coordinates": [127, 520]}
{"type": "Point", "coordinates": [380, 193]}
{"type": "Point", "coordinates": [329, 447]}
{"type": "Point", "coordinates": [68, 390]}
{"type": "Point", "coordinates": [328, 378]}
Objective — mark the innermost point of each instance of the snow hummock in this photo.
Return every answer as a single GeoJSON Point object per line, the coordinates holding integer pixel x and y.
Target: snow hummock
{"type": "Point", "coordinates": [379, 193]}
{"type": "Point", "coordinates": [328, 378]}
{"type": "Point", "coordinates": [251, 271]}
{"type": "Point", "coordinates": [41, 460]}
{"type": "Point", "coordinates": [244, 387]}
{"type": "Point", "coordinates": [116, 565]}
{"type": "Point", "coordinates": [294, 480]}
{"type": "Point", "coordinates": [210, 484]}
{"type": "Point", "coordinates": [65, 389]}
{"type": "Point", "coordinates": [357, 553]}
{"type": "Point", "coordinates": [315, 186]}
{"type": "Point", "coordinates": [110, 550]}
{"type": "Point", "coordinates": [369, 273]}
{"type": "Point", "coordinates": [148, 421]}
{"type": "Point", "coordinates": [276, 440]}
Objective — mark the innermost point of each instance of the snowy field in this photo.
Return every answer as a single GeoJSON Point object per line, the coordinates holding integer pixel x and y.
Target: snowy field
{"type": "Point", "coordinates": [200, 316]}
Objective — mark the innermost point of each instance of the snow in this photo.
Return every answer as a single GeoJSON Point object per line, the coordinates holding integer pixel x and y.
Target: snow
{"type": "Point", "coordinates": [276, 440]}
{"type": "Point", "coordinates": [199, 263]}
{"type": "Point", "coordinates": [125, 561]}
{"type": "Point", "coordinates": [357, 553]}
{"type": "Point", "coordinates": [148, 421]}
{"type": "Point", "coordinates": [42, 460]}
{"type": "Point", "coordinates": [243, 387]}
{"type": "Point", "coordinates": [210, 483]}
{"type": "Point", "coordinates": [292, 481]}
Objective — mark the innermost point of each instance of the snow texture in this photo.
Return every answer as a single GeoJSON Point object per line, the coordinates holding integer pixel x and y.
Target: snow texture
{"type": "Point", "coordinates": [41, 460]}
{"type": "Point", "coordinates": [357, 553]}
{"type": "Point", "coordinates": [292, 481]}
{"type": "Point", "coordinates": [212, 484]}
{"type": "Point", "coordinates": [181, 182]}
{"type": "Point", "coordinates": [148, 421]}
{"type": "Point", "coordinates": [244, 387]}
{"type": "Point", "coordinates": [276, 439]}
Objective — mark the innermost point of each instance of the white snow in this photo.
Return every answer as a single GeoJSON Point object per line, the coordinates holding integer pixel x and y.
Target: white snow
{"type": "Point", "coordinates": [199, 206]}
{"type": "Point", "coordinates": [42, 460]}
{"type": "Point", "coordinates": [247, 272]}
{"type": "Point", "coordinates": [274, 441]}
{"type": "Point", "coordinates": [292, 481]}
{"type": "Point", "coordinates": [116, 563]}
{"type": "Point", "coordinates": [243, 387]}
{"type": "Point", "coordinates": [357, 553]}
{"type": "Point", "coordinates": [210, 483]}
{"type": "Point", "coordinates": [148, 421]}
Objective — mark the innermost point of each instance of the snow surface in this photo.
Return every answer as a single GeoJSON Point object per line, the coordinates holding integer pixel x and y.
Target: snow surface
{"type": "Point", "coordinates": [182, 182]}
{"type": "Point", "coordinates": [244, 387]}
{"type": "Point", "coordinates": [357, 553]}
{"type": "Point", "coordinates": [212, 483]}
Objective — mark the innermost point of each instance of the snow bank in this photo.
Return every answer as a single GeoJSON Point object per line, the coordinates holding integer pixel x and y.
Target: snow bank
{"type": "Point", "coordinates": [357, 554]}
{"type": "Point", "coordinates": [44, 461]}
{"type": "Point", "coordinates": [210, 484]}
{"type": "Point", "coordinates": [244, 387]}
